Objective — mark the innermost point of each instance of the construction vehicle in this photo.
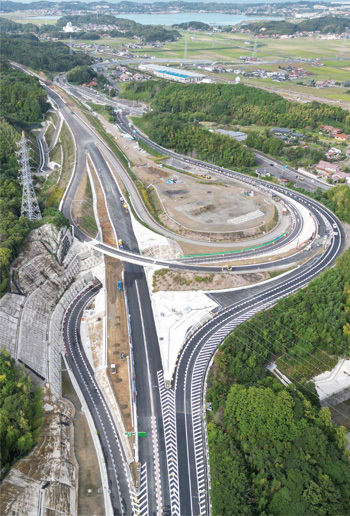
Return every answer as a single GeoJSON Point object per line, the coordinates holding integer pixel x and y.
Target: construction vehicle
{"type": "Point", "coordinates": [120, 244]}
{"type": "Point", "coordinates": [226, 267]}
{"type": "Point", "coordinates": [119, 286]}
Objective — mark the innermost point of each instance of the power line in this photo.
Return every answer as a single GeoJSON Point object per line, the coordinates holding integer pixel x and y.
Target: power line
{"type": "Point", "coordinates": [303, 386]}
{"type": "Point", "coordinates": [239, 328]}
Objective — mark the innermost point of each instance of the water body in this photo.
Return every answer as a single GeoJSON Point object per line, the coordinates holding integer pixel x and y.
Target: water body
{"type": "Point", "coordinates": [174, 18]}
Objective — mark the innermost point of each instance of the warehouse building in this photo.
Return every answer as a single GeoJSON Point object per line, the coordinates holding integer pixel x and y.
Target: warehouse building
{"type": "Point", "coordinates": [173, 74]}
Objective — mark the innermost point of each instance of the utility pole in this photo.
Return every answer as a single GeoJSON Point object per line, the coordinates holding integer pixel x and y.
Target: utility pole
{"type": "Point", "coordinates": [255, 45]}
{"type": "Point", "coordinates": [30, 207]}
{"type": "Point", "coordinates": [185, 51]}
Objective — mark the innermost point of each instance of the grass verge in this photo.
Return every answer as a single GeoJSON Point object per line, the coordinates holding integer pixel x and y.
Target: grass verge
{"type": "Point", "coordinates": [55, 184]}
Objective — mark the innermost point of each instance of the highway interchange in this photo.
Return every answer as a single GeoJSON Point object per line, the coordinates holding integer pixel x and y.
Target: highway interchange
{"type": "Point", "coordinates": [173, 453]}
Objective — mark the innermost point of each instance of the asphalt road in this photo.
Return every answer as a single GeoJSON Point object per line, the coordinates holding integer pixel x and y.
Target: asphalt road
{"type": "Point", "coordinates": [88, 142]}
{"type": "Point", "coordinates": [118, 482]}
{"type": "Point", "coordinates": [187, 496]}
{"type": "Point", "coordinates": [121, 222]}
{"type": "Point", "coordinates": [138, 203]}
{"type": "Point", "coordinates": [195, 358]}
{"type": "Point", "coordinates": [189, 485]}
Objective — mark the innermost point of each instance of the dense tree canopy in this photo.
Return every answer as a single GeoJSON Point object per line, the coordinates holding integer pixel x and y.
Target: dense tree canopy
{"type": "Point", "coordinates": [196, 25]}
{"type": "Point", "coordinates": [170, 131]}
{"type": "Point", "coordinates": [272, 450]}
{"type": "Point", "coordinates": [51, 56]}
{"type": "Point", "coordinates": [13, 228]}
{"type": "Point", "coordinates": [22, 97]}
{"type": "Point", "coordinates": [11, 26]}
{"type": "Point", "coordinates": [235, 104]}
{"type": "Point", "coordinates": [21, 410]}
{"type": "Point", "coordinates": [80, 74]}
{"type": "Point", "coordinates": [294, 330]}
{"type": "Point", "coordinates": [273, 453]}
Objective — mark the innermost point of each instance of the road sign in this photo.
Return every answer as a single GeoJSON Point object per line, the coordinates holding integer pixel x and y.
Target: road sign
{"type": "Point", "coordinates": [142, 434]}
{"type": "Point", "coordinates": [129, 434]}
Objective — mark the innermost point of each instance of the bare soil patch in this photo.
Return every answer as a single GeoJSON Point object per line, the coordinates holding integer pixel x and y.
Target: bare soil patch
{"type": "Point", "coordinates": [196, 208]}
{"type": "Point", "coordinates": [118, 339]}
{"type": "Point", "coordinates": [165, 279]}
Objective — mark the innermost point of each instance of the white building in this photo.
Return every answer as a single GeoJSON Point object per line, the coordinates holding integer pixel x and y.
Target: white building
{"type": "Point", "coordinates": [174, 74]}
{"type": "Point", "coordinates": [70, 28]}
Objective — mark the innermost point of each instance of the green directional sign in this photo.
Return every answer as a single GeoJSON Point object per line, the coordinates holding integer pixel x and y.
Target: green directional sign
{"type": "Point", "coordinates": [142, 434]}
{"type": "Point", "coordinates": [129, 434]}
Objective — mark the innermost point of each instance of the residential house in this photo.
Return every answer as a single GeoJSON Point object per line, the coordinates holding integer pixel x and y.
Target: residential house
{"type": "Point", "coordinates": [340, 175]}
{"type": "Point", "coordinates": [341, 137]}
{"type": "Point", "coordinates": [326, 168]}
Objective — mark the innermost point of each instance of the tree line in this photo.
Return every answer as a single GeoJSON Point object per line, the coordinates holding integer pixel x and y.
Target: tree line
{"type": "Point", "coordinates": [325, 24]}
{"type": "Point", "coordinates": [273, 451]}
{"type": "Point", "coordinates": [11, 26]}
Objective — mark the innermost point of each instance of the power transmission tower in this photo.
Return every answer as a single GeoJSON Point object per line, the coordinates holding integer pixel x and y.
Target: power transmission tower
{"type": "Point", "coordinates": [30, 207]}
{"type": "Point", "coordinates": [70, 45]}
{"type": "Point", "coordinates": [344, 42]}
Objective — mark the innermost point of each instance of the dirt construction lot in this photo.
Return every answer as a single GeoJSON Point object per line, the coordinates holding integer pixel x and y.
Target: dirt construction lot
{"type": "Point", "coordinates": [200, 204]}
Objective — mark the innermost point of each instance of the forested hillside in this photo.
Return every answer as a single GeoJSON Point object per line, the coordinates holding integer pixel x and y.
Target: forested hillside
{"type": "Point", "coordinates": [22, 97]}
{"type": "Point", "coordinates": [11, 26]}
{"type": "Point", "coordinates": [234, 104]}
{"type": "Point", "coordinates": [272, 450]}
{"type": "Point", "coordinates": [21, 411]}
{"type": "Point", "coordinates": [272, 453]}
{"type": "Point", "coordinates": [170, 131]}
{"type": "Point", "coordinates": [178, 107]}
{"type": "Point", "coordinates": [51, 56]}
{"type": "Point", "coordinates": [23, 103]}
{"type": "Point", "coordinates": [124, 28]}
